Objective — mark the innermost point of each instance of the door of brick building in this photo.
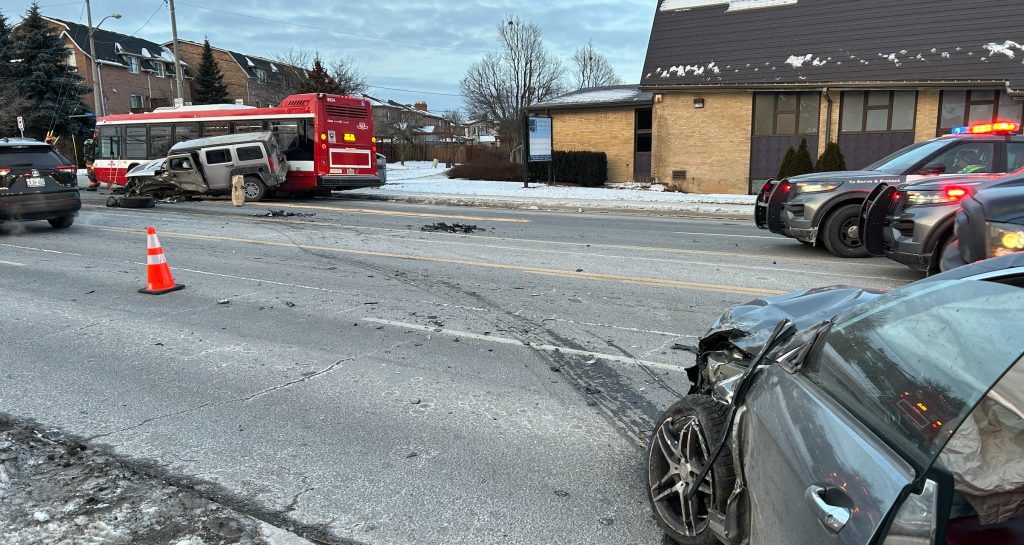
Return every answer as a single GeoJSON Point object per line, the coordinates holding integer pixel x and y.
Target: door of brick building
{"type": "Point", "coordinates": [642, 141]}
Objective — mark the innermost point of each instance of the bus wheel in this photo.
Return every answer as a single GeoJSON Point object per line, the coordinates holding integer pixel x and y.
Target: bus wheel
{"type": "Point", "coordinates": [254, 189]}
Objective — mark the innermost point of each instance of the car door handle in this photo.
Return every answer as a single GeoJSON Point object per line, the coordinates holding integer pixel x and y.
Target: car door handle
{"type": "Point", "coordinates": [834, 517]}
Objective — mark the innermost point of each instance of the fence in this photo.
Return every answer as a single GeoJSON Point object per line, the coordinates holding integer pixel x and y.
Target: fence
{"type": "Point", "coordinates": [461, 153]}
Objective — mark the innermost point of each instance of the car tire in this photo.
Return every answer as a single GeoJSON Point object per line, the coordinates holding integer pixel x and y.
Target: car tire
{"type": "Point", "coordinates": [836, 234]}
{"type": "Point", "coordinates": [254, 189]}
{"type": "Point", "coordinates": [136, 202]}
{"type": "Point", "coordinates": [62, 222]}
{"type": "Point", "coordinates": [948, 246]}
{"type": "Point", "coordinates": [693, 427]}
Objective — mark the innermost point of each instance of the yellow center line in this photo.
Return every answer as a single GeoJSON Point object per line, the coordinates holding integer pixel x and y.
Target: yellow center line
{"type": "Point", "coordinates": [560, 273]}
{"type": "Point", "coordinates": [388, 212]}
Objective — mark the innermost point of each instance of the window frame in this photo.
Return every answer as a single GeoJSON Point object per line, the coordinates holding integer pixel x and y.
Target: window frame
{"type": "Point", "coordinates": [128, 130]}
{"type": "Point", "coordinates": [131, 101]}
{"type": "Point", "coordinates": [134, 64]}
{"type": "Point", "coordinates": [996, 102]}
{"type": "Point", "coordinates": [866, 108]}
{"type": "Point", "coordinates": [777, 111]}
{"type": "Point", "coordinates": [159, 70]}
{"type": "Point", "coordinates": [261, 75]}
{"type": "Point", "coordinates": [227, 150]}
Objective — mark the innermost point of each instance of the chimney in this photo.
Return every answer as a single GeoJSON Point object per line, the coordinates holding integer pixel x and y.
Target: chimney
{"type": "Point", "coordinates": [421, 106]}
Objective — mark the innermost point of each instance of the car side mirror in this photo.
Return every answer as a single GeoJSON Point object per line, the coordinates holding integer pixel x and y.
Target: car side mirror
{"type": "Point", "coordinates": [932, 169]}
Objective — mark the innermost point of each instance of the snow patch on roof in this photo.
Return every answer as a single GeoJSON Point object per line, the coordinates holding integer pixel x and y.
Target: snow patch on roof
{"type": "Point", "coordinates": [734, 5]}
{"type": "Point", "coordinates": [145, 53]}
{"type": "Point", "coordinates": [1006, 48]}
{"type": "Point", "coordinates": [249, 62]}
{"type": "Point", "coordinates": [797, 61]}
{"type": "Point", "coordinates": [118, 48]}
{"type": "Point", "coordinates": [601, 95]}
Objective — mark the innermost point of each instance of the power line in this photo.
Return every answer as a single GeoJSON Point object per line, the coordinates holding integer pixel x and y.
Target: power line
{"type": "Point", "coordinates": [334, 31]}
{"type": "Point", "coordinates": [413, 91]}
{"type": "Point", "coordinates": [160, 5]}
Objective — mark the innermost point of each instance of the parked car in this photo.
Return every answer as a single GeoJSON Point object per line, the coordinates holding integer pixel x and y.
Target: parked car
{"type": "Point", "coordinates": [37, 183]}
{"type": "Point", "coordinates": [913, 223]}
{"type": "Point", "coordinates": [989, 223]}
{"type": "Point", "coordinates": [822, 207]}
{"type": "Point", "coordinates": [854, 417]}
{"type": "Point", "coordinates": [205, 166]}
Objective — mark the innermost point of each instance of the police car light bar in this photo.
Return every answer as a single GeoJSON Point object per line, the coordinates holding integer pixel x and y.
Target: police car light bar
{"type": "Point", "coordinates": [988, 128]}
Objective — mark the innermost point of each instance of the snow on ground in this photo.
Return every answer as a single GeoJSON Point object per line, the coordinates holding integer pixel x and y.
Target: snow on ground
{"type": "Point", "coordinates": [420, 180]}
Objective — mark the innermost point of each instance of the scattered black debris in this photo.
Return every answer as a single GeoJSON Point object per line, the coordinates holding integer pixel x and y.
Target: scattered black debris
{"type": "Point", "coordinates": [283, 214]}
{"type": "Point", "coordinates": [561, 493]}
{"type": "Point", "coordinates": [579, 270]}
{"type": "Point", "coordinates": [158, 344]}
{"type": "Point", "coordinates": [412, 455]}
{"type": "Point", "coordinates": [90, 292]}
{"type": "Point", "coordinates": [289, 304]}
{"type": "Point", "coordinates": [590, 390]}
{"type": "Point", "coordinates": [417, 401]}
{"type": "Point", "coordinates": [453, 228]}
{"type": "Point", "coordinates": [607, 521]}
{"type": "Point", "coordinates": [686, 347]}
{"type": "Point", "coordinates": [224, 302]}
{"type": "Point", "coordinates": [555, 369]}
{"type": "Point", "coordinates": [372, 303]}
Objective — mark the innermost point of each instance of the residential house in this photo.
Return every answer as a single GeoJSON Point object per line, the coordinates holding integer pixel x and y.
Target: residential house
{"type": "Point", "coordinates": [137, 75]}
{"type": "Point", "coordinates": [734, 83]}
{"type": "Point", "coordinates": [615, 120]}
{"type": "Point", "coordinates": [481, 133]}
{"type": "Point", "coordinates": [427, 127]}
{"type": "Point", "coordinates": [251, 80]}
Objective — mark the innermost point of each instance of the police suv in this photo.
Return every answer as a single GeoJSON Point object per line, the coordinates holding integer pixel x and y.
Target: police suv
{"type": "Point", "coordinates": [826, 207]}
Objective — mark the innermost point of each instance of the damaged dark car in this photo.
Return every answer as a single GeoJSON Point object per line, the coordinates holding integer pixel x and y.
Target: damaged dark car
{"type": "Point", "coordinates": [842, 415]}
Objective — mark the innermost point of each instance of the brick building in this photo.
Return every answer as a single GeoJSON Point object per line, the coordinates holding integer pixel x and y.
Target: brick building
{"type": "Point", "coordinates": [427, 127]}
{"type": "Point", "coordinates": [615, 120]}
{"type": "Point", "coordinates": [736, 82]}
{"type": "Point", "coordinates": [137, 75]}
{"type": "Point", "coordinates": [255, 81]}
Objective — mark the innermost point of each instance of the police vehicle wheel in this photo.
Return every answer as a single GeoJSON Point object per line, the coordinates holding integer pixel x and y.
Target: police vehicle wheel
{"type": "Point", "coordinates": [836, 235]}
{"type": "Point", "coordinates": [62, 222]}
{"type": "Point", "coordinates": [254, 189]}
{"type": "Point", "coordinates": [948, 248]}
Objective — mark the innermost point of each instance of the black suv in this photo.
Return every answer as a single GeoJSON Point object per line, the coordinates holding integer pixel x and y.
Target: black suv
{"type": "Point", "coordinates": [990, 223]}
{"type": "Point", "coordinates": [824, 206]}
{"type": "Point", "coordinates": [37, 183]}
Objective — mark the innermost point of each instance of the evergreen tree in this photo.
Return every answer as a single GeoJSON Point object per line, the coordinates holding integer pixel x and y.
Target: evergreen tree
{"type": "Point", "coordinates": [831, 159]}
{"type": "Point", "coordinates": [319, 81]}
{"type": "Point", "coordinates": [787, 164]}
{"type": "Point", "coordinates": [51, 89]}
{"type": "Point", "coordinates": [802, 162]}
{"type": "Point", "coordinates": [209, 87]}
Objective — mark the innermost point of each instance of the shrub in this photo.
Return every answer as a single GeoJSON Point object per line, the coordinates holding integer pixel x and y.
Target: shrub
{"type": "Point", "coordinates": [787, 164]}
{"type": "Point", "coordinates": [831, 159]}
{"type": "Point", "coordinates": [488, 168]}
{"type": "Point", "coordinates": [797, 163]}
{"type": "Point", "coordinates": [585, 168]}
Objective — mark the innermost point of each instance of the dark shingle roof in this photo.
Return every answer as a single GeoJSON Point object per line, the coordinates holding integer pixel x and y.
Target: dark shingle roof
{"type": "Point", "coordinates": [598, 97]}
{"type": "Point", "coordinates": [111, 46]}
{"type": "Point", "coordinates": [834, 41]}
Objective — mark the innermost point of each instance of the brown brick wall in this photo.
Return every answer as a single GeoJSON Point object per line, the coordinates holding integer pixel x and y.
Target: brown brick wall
{"type": "Point", "coordinates": [823, 120]}
{"type": "Point", "coordinates": [608, 130]}
{"type": "Point", "coordinates": [712, 144]}
{"type": "Point", "coordinates": [927, 124]}
{"type": "Point", "coordinates": [250, 91]}
{"type": "Point", "coordinates": [119, 84]}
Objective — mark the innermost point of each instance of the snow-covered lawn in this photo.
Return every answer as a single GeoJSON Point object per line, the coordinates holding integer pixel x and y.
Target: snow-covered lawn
{"type": "Point", "coordinates": [421, 179]}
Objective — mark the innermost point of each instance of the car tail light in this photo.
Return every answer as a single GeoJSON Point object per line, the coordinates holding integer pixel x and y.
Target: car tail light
{"type": "Point", "coordinates": [955, 194]}
{"type": "Point", "coordinates": [273, 167]}
{"type": "Point", "coordinates": [4, 171]}
{"type": "Point", "coordinates": [766, 188]}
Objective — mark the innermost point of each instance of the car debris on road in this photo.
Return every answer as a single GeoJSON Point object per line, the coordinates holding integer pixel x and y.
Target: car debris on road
{"type": "Point", "coordinates": [453, 228]}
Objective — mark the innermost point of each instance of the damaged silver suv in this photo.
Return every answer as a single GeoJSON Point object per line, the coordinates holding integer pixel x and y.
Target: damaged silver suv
{"type": "Point", "coordinates": [850, 416]}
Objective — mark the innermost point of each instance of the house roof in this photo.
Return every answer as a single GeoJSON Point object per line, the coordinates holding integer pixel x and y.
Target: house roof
{"type": "Point", "coordinates": [598, 97]}
{"type": "Point", "coordinates": [751, 43]}
{"type": "Point", "coordinates": [112, 46]}
{"type": "Point", "coordinates": [250, 63]}
{"type": "Point", "coordinates": [382, 103]}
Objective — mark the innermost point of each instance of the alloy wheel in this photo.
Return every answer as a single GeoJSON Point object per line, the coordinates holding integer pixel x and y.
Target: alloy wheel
{"type": "Point", "coordinates": [680, 454]}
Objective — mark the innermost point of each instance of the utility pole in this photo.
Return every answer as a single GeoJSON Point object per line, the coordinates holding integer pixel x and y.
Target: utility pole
{"type": "Point", "coordinates": [97, 101]}
{"type": "Point", "coordinates": [178, 73]}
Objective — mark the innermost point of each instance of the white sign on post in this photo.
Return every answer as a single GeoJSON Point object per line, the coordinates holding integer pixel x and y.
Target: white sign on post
{"type": "Point", "coordinates": [21, 125]}
{"type": "Point", "coordinates": [540, 138]}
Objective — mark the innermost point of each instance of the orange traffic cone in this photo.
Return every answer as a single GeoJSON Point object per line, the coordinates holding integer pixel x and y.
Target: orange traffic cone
{"type": "Point", "coordinates": [158, 273]}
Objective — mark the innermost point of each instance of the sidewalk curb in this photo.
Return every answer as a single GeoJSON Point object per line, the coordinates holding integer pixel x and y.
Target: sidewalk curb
{"type": "Point", "coordinates": [542, 207]}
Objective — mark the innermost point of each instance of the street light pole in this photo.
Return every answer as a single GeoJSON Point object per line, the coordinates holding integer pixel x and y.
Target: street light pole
{"type": "Point", "coordinates": [97, 107]}
{"type": "Point", "coordinates": [178, 74]}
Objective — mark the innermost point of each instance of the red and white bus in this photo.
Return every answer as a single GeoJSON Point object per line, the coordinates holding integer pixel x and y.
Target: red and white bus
{"type": "Point", "coordinates": [328, 139]}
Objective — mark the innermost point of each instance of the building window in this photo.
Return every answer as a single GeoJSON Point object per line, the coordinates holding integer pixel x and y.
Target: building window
{"type": "Point", "coordinates": [133, 64]}
{"type": "Point", "coordinates": [136, 102]}
{"type": "Point", "coordinates": [878, 111]}
{"type": "Point", "coordinates": [964, 108]}
{"type": "Point", "coordinates": [158, 69]}
{"type": "Point", "coordinates": [786, 114]}
{"type": "Point", "coordinates": [72, 59]}
{"type": "Point", "coordinates": [261, 76]}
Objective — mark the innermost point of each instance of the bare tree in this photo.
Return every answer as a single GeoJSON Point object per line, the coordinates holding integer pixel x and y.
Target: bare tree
{"type": "Point", "coordinates": [593, 68]}
{"type": "Point", "coordinates": [454, 120]}
{"type": "Point", "coordinates": [350, 79]}
{"type": "Point", "coordinates": [400, 129]}
{"type": "Point", "coordinates": [502, 85]}
{"type": "Point", "coordinates": [343, 71]}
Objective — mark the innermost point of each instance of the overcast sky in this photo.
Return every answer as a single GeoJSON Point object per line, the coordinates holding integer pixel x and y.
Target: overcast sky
{"type": "Point", "coordinates": [423, 46]}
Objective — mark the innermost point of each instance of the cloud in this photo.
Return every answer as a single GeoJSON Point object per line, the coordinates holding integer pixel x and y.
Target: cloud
{"type": "Point", "coordinates": [422, 45]}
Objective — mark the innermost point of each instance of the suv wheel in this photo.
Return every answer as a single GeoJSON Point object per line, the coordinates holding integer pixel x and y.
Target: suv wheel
{"type": "Point", "coordinates": [836, 235]}
{"type": "Point", "coordinates": [62, 222]}
{"type": "Point", "coordinates": [678, 451]}
{"type": "Point", "coordinates": [254, 189]}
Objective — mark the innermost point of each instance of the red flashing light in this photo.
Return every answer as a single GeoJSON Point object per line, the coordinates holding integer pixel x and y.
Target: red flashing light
{"type": "Point", "coordinates": [991, 128]}
{"type": "Point", "coordinates": [786, 187]}
{"type": "Point", "coordinates": [896, 197]}
{"type": "Point", "coordinates": [766, 188]}
{"type": "Point", "coordinates": [955, 194]}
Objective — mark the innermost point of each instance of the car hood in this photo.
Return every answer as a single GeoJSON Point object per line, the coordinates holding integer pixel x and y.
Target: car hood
{"type": "Point", "coordinates": [972, 180]}
{"type": "Point", "coordinates": [1003, 204]}
{"type": "Point", "coordinates": [748, 326]}
{"type": "Point", "coordinates": [853, 176]}
{"type": "Point", "coordinates": [147, 169]}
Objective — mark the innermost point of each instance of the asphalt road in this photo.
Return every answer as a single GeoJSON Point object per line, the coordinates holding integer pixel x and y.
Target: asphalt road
{"type": "Point", "coordinates": [352, 378]}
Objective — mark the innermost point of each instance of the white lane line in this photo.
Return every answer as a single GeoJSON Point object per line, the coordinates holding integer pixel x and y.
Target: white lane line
{"type": "Point", "coordinates": [11, 263]}
{"type": "Point", "coordinates": [260, 280]}
{"type": "Point", "coordinates": [517, 342]}
{"type": "Point", "coordinates": [779, 238]}
{"type": "Point", "coordinates": [39, 250]}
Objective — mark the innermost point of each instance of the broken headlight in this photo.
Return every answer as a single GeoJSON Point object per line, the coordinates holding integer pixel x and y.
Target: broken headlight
{"type": "Point", "coordinates": [1005, 239]}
